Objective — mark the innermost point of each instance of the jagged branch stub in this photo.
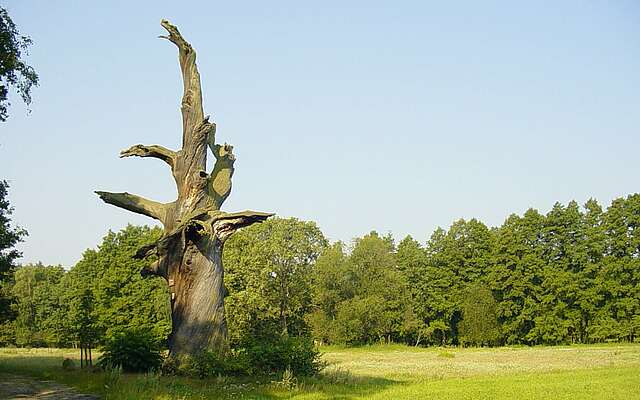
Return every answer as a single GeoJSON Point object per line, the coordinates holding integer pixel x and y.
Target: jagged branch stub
{"type": "Point", "coordinates": [135, 204]}
{"type": "Point", "coordinates": [193, 121]}
{"type": "Point", "coordinates": [155, 151]}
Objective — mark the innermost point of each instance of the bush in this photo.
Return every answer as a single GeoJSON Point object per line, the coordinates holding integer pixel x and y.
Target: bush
{"type": "Point", "coordinates": [479, 325]}
{"type": "Point", "coordinates": [131, 350]}
{"type": "Point", "coordinates": [259, 357]}
{"type": "Point", "coordinates": [68, 364]}
{"type": "Point", "coordinates": [169, 366]}
{"type": "Point", "coordinates": [209, 364]}
{"type": "Point", "coordinates": [297, 354]}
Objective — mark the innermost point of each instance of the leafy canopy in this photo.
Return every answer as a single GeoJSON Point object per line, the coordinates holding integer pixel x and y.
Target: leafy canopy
{"type": "Point", "coordinates": [14, 72]}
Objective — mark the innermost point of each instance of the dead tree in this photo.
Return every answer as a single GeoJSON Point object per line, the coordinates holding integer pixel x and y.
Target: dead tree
{"type": "Point", "coordinates": [189, 254]}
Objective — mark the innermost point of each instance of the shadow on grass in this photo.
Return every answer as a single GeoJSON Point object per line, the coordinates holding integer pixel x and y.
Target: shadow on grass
{"type": "Point", "coordinates": [146, 387]}
{"type": "Point", "coordinates": [334, 384]}
{"type": "Point", "coordinates": [357, 388]}
{"type": "Point", "coordinates": [49, 367]}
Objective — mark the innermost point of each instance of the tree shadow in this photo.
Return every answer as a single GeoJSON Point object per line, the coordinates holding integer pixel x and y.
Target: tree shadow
{"type": "Point", "coordinates": [247, 388]}
{"type": "Point", "coordinates": [335, 383]}
{"type": "Point", "coordinates": [352, 388]}
{"type": "Point", "coordinates": [29, 364]}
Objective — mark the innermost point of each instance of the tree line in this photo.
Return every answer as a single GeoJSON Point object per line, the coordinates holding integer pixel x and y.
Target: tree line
{"type": "Point", "coordinates": [569, 276]}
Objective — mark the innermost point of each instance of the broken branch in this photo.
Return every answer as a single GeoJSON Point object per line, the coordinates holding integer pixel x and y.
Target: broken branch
{"type": "Point", "coordinates": [140, 150]}
{"type": "Point", "coordinates": [226, 224]}
{"type": "Point", "coordinates": [220, 179]}
{"type": "Point", "coordinates": [192, 113]}
{"type": "Point", "coordinates": [135, 204]}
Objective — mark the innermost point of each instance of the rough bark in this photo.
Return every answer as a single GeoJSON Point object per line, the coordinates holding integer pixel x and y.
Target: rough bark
{"type": "Point", "coordinates": [189, 254]}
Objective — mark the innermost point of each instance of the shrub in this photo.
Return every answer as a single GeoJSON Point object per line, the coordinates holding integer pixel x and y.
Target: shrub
{"type": "Point", "coordinates": [298, 354]}
{"type": "Point", "coordinates": [68, 364]}
{"type": "Point", "coordinates": [288, 381]}
{"type": "Point", "coordinates": [131, 350]}
{"type": "Point", "coordinates": [259, 357]}
{"type": "Point", "coordinates": [209, 364]}
{"type": "Point", "coordinates": [169, 366]}
{"type": "Point", "coordinates": [479, 325]}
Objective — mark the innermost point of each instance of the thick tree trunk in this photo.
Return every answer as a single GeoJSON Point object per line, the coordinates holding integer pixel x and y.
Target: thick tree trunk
{"type": "Point", "coordinates": [189, 254]}
{"type": "Point", "coordinates": [198, 300]}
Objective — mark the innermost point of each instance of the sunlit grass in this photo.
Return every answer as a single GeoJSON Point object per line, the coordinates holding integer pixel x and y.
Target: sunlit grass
{"type": "Point", "coordinates": [406, 363]}
{"type": "Point", "coordinates": [383, 372]}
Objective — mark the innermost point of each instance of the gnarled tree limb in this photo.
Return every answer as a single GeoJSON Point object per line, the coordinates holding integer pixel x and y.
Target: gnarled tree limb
{"type": "Point", "coordinates": [135, 204]}
{"type": "Point", "coordinates": [192, 113]}
{"type": "Point", "coordinates": [220, 177]}
{"type": "Point", "coordinates": [189, 254]}
{"type": "Point", "coordinates": [169, 250]}
{"type": "Point", "coordinates": [226, 224]}
{"type": "Point", "coordinates": [156, 151]}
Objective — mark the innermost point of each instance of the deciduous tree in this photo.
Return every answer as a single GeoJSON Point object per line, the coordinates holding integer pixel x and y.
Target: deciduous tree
{"type": "Point", "coordinates": [268, 276]}
{"type": "Point", "coordinates": [10, 236]}
{"type": "Point", "coordinates": [14, 72]}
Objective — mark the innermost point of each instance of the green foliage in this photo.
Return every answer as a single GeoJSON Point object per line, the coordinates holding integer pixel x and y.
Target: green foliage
{"type": "Point", "coordinates": [297, 354]}
{"type": "Point", "coordinates": [209, 364]}
{"type": "Point", "coordinates": [268, 270]}
{"type": "Point", "coordinates": [101, 295]}
{"type": "Point", "coordinates": [68, 364]}
{"type": "Point", "coordinates": [359, 320]}
{"type": "Point", "coordinates": [363, 297]}
{"type": "Point", "coordinates": [132, 350]}
{"type": "Point", "coordinates": [35, 306]}
{"type": "Point", "coordinates": [123, 299]}
{"type": "Point", "coordinates": [261, 357]}
{"type": "Point", "coordinates": [570, 276]}
{"type": "Point", "coordinates": [9, 238]}
{"type": "Point", "coordinates": [14, 72]}
{"type": "Point", "coordinates": [479, 325]}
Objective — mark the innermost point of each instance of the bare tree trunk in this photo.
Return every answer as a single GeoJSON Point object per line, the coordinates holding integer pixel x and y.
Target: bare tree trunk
{"type": "Point", "coordinates": [189, 254]}
{"type": "Point", "coordinates": [198, 313]}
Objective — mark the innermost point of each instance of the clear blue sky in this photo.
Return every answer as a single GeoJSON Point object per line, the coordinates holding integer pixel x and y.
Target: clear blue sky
{"type": "Point", "coordinates": [398, 116]}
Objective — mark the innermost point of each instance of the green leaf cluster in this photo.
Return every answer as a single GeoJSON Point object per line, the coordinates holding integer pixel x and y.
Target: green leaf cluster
{"type": "Point", "coordinates": [14, 72]}
{"type": "Point", "coordinates": [132, 350]}
{"type": "Point", "coordinates": [268, 277]}
{"type": "Point", "coordinates": [102, 295]}
{"type": "Point", "coordinates": [571, 275]}
{"type": "Point", "coordinates": [362, 297]}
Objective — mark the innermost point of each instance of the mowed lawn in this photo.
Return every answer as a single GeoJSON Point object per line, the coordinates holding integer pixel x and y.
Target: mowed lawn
{"type": "Point", "coordinates": [383, 372]}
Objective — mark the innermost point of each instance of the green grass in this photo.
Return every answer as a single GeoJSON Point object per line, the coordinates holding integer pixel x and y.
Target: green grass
{"type": "Point", "coordinates": [383, 372]}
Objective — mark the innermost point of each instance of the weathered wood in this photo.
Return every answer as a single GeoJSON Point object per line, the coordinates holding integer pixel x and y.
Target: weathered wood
{"type": "Point", "coordinates": [135, 204]}
{"type": "Point", "coordinates": [220, 180]}
{"type": "Point", "coordinates": [140, 150]}
{"type": "Point", "coordinates": [189, 254]}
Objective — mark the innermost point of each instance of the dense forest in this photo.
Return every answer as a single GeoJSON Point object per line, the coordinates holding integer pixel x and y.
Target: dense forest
{"type": "Point", "coordinates": [570, 276]}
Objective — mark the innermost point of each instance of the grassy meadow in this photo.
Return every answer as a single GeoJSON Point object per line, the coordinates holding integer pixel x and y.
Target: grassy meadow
{"type": "Point", "coordinates": [380, 372]}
